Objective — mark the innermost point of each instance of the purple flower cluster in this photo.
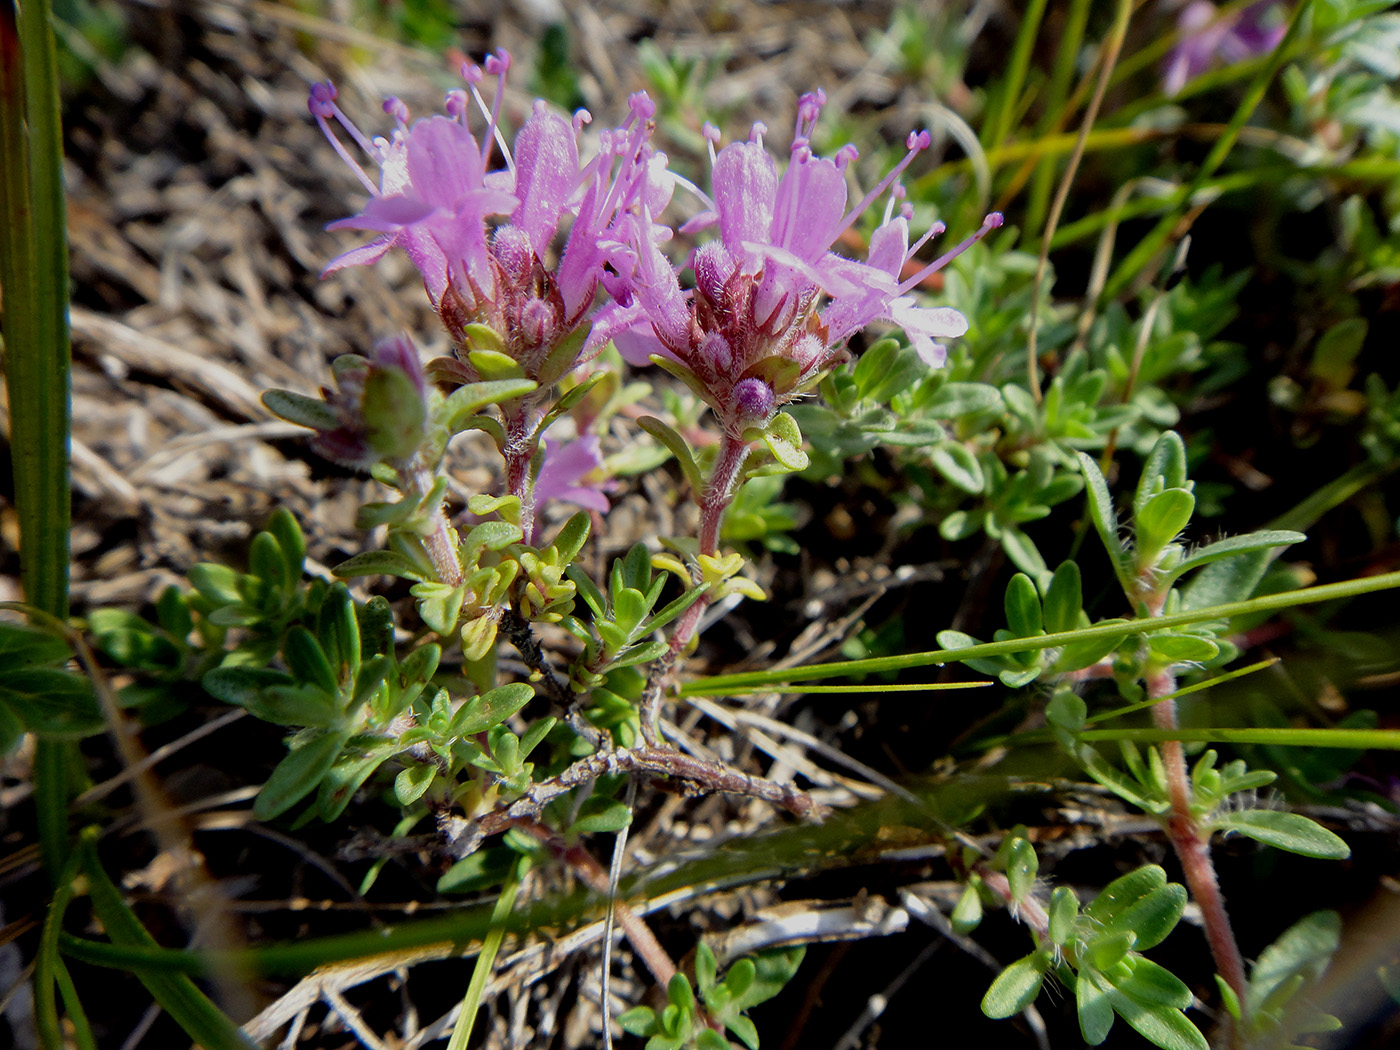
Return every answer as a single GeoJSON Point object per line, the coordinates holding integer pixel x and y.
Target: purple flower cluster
{"type": "Point", "coordinates": [480, 237]}
{"type": "Point", "coordinates": [772, 305]}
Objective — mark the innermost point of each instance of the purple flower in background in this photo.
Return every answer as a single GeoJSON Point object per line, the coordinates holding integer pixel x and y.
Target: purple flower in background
{"type": "Point", "coordinates": [562, 470]}
{"type": "Point", "coordinates": [1209, 36]}
{"type": "Point", "coordinates": [480, 237]}
{"type": "Point", "coordinates": [773, 305]}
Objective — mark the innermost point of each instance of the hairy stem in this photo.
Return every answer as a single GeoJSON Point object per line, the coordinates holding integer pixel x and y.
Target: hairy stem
{"type": "Point", "coordinates": [440, 540]}
{"type": "Point", "coordinates": [1192, 845]}
{"type": "Point", "coordinates": [518, 451]}
{"type": "Point", "coordinates": [719, 493]}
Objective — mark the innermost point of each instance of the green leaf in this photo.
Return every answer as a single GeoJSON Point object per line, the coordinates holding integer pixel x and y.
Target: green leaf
{"type": "Point", "coordinates": [297, 775]}
{"type": "Point", "coordinates": [772, 970]}
{"type": "Point", "coordinates": [1225, 581]}
{"type": "Point", "coordinates": [1165, 469]}
{"type": "Point", "coordinates": [1159, 522]}
{"type": "Point", "coordinates": [1182, 648]}
{"type": "Point", "coordinates": [1104, 518]}
{"type": "Point", "coordinates": [1287, 831]}
{"type": "Point", "coordinates": [394, 413]}
{"type": "Point", "coordinates": [1021, 867]}
{"type": "Point", "coordinates": [1064, 909]}
{"type": "Point", "coordinates": [465, 401]}
{"type": "Point", "coordinates": [379, 563]}
{"type": "Point", "coordinates": [1015, 987]}
{"type": "Point", "coordinates": [790, 456]}
{"type": "Point", "coordinates": [639, 1021]}
{"type": "Point", "coordinates": [957, 463]}
{"type": "Point", "coordinates": [1153, 985]}
{"type": "Point", "coordinates": [52, 703]}
{"type": "Point", "coordinates": [705, 969]}
{"type": "Point", "coordinates": [491, 536]}
{"type": "Point", "coordinates": [439, 605]}
{"type": "Point", "coordinates": [873, 365]}
{"type": "Point", "coordinates": [218, 583]}
{"type": "Point", "coordinates": [967, 913]}
{"type": "Point", "coordinates": [1232, 547]}
{"type": "Point", "coordinates": [495, 366]}
{"type": "Point", "coordinates": [677, 444]}
{"type": "Point", "coordinates": [1162, 1026]}
{"type": "Point", "coordinates": [282, 524]}
{"type": "Point", "coordinates": [1022, 604]}
{"type": "Point", "coordinates": [743, 1028]}
{"type": "Point", "coordinates": [489, 709]}
{"type": "Point", "coordinates": [308, 662]}
{"type": "Point", "coordinates": [310, 412]}
{"type": "Point", "coordinates": [1304, 949]}
{"type": "Point", "coordinates": [960, 400]}
{"type": "Point", "coordinates": [482, 870]}
{"type": "Point", "coordinates": [1064, 599]}
{"type": "Point", "coordinates": [1024, 555]}
{"type": "Point", "coordinates": [1109, 948]}
{"type": "Point", "coordinates": [1067, 710]}
{"type": "Point", "coordinates": [1125, 891]}
{"type": "Point", "coordinates": [612, 816]}
{"type": "Point", "coordinates": [22, 646]}
{"type": "Point", "coordinates": [535, 735]}
{"type": "Point", "coordinates": [572, 535]}
{"type": "Point", "coordinates": [1151, 917]}
{"type": "Point", "coordinates": [295, 705]}
{"type": "Point", "coordinates": [1093, 1007]}
{"type": "Point", "coordinates": [412, 782]}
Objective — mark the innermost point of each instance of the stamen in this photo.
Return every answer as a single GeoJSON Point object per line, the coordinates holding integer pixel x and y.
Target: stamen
{"type": "Point", "coordinates": [845, 156]}
{"type": "Point", "coordinates": [990, 223]}
{"type": "Point", "coordinates": [321, 103]}
{"type": "Point", "coordinates": [914, 143]}
{"type": "Point", "coordinates": [809, 108]}
{"type": "Point", "coordinates": [712, 136]}
{"type": "Point", "coordinates": [581, 117]}
{"type": "Point", "coordinates": [397, 109]}
{"type": "Point", "coordinates": [473, 76]}
{"type": "Point", "coordinates": [932, 232]}
{"type": "Point", "coordinates": [456, 105]}
{"type": "Point", "coordinates": [497, 65]}
{"type": "Point", "coordinates": [757, 132]}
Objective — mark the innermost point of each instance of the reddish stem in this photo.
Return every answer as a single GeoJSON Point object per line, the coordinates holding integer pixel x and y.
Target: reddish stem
{"type": "Point", "coordinates": [1192, 845]}
{"type": "Point", "coordinates": [518, 451]}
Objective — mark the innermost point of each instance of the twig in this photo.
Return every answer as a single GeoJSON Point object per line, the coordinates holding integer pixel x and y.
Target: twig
{"type": "Point", "coordinates": [517, 629]}
{"type": "Point", "coordinates": [464, 836]}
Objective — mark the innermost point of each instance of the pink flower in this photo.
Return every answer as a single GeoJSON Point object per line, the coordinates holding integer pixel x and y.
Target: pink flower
{"type": "Point", "coordinates": [563, 469]}
{"type": "Point", "coordinates": [773, 304]}
{"type": "Point", "coordinates": [1209, 36]}
{"type": "Point", "coordinates": [480, 237]}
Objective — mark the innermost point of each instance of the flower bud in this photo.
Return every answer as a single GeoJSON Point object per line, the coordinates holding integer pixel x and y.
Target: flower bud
{"type": "Point", "coordinates": [753, 403]}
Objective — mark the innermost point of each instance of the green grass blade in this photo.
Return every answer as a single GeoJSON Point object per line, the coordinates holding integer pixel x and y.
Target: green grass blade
{"type": "Point", "coordinates": [190, 1008]}
{"type": "Point", "coordinates": [1349, 739]}
{"type": "Point", "coordinates": [34, 275]}
{"type": "Point", "coordinates": [48, 964]}
{"type": "Point", "coordinates": [874, 665]}
{"type": "Point", "coordinates": [1150, 246]}
{"type": "Point", "coordinates": [34, 272]}
{"type": "Point", "coordinates": [998, 125]}
{"type": "Point", "coordinates": [1066, 57]}
{"type": "Point", "coordinates": [481, 971]}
